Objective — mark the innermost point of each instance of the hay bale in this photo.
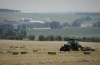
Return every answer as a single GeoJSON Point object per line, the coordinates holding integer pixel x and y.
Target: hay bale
{"type": "Point", "coordinates": [52, 53]}
{"type": "Point", "coordinates": [16, 47]}
{"type": "Point", "coordinates": [23, 52]}
{"type": "Point", "coordinates": [11, 47]}
{"type": "Point", "coordinates": [87, 52]}
{"type": "Point", "coordinates": [14, 53]}
{"type": "Point", "coordinates": [35, 51]}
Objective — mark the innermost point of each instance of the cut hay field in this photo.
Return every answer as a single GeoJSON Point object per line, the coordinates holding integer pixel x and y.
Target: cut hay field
{"type": "Point", "coordinates": [37, 53]}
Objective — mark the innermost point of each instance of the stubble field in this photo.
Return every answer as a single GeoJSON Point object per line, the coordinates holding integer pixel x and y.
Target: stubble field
{"type": "Point", "coordinates": [37, 53]}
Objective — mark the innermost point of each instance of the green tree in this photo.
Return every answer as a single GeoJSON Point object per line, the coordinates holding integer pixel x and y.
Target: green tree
{"type": "Point", "coordinates": [1, 33]}
{"type": "Point", "coordinates": [66, 38]}
{"type": "Point", "coordinates": [31, 37]}
{"type": "Point", "coordinates": [50, 38]}
{"type": "Point", "coordinates": [59, 38]}
{"type": "Point", "coordinates": [41, 38]}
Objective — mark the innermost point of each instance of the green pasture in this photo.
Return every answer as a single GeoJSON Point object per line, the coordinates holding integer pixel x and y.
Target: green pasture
{"type": "Point", "coordinates": [68, 32]}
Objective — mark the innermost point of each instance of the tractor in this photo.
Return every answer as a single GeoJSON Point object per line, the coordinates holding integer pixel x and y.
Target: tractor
{"type": "Point", "coordinates": [71, 45]}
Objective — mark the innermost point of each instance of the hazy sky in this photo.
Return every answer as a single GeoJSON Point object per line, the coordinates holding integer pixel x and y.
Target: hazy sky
{"type": "Point", "coordinates": [52, 5]}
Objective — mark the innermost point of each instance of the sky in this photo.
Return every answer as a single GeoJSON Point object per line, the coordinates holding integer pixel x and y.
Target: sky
{"type": "Point", "coordinates": [52, 5]}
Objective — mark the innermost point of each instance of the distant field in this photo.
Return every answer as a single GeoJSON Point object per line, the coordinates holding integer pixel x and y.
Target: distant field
{"type": "Point", "coordinates": [41, 16]}
{"type": "Point", "coordinates": [68, 32]}
{"type": "Point", "coordinates": [67, 17]}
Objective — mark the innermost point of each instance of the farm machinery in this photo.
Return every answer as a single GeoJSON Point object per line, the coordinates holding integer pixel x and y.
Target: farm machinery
{"type": "Point", "coordinates": [73, 45]}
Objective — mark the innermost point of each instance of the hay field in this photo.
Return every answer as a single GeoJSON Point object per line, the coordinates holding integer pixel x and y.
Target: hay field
{"type": "Point", "coordinates": [41, 57]}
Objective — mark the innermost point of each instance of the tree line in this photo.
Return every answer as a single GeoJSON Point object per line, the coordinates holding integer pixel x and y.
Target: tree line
{"type": "Point", "coordinates": [9, 10]}
{"type": "Point", "coordinates": [12, 34]}
{"type": "Point", "coordinates": [22, 34]}
{"type": "Point", "coordinates": [60, 38]}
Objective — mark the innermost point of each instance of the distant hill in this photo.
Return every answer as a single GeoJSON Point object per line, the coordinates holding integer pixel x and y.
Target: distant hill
{"type": "Point", "coordinates": [89, 14]}
{"type": "Point", "coordinates": [70, 18]}
{"type": "Point", "coordinates": [9, 10]}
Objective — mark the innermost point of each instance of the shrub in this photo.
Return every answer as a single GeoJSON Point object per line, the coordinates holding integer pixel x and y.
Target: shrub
{"type": "Point", "coordinates": [50, 38]}
{"type": "Point", "coordinates": [66, 38]}
{"type": "Point", "coordinates": [59, 38]}
{"type": "Point", "coordinates": [41, 38]}
{"type": "Point", "coordinates": [31, 37]}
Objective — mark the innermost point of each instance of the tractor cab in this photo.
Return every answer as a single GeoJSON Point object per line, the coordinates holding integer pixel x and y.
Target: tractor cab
{"type": "Point", "coordinates": [73, 41]}
{"type": "Point", "coordinates": [73, 44]}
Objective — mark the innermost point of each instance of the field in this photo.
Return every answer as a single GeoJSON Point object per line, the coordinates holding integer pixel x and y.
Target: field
{"type": "Point", "coordinates": [38, 16]}
{"type": "Point", "coordinates": [41, 56]}
{"type": "Point", "coordinates": [60, 17]}
{"type": "Point", "coordinates": [67, 32]}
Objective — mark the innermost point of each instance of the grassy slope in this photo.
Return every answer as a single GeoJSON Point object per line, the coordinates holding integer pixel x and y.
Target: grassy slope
{"type": "Point", "coordinates": [70, 32]}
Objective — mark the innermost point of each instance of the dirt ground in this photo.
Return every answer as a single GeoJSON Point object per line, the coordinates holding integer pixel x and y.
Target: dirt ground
{"type": "Point", "coordinates": [37, 53]}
